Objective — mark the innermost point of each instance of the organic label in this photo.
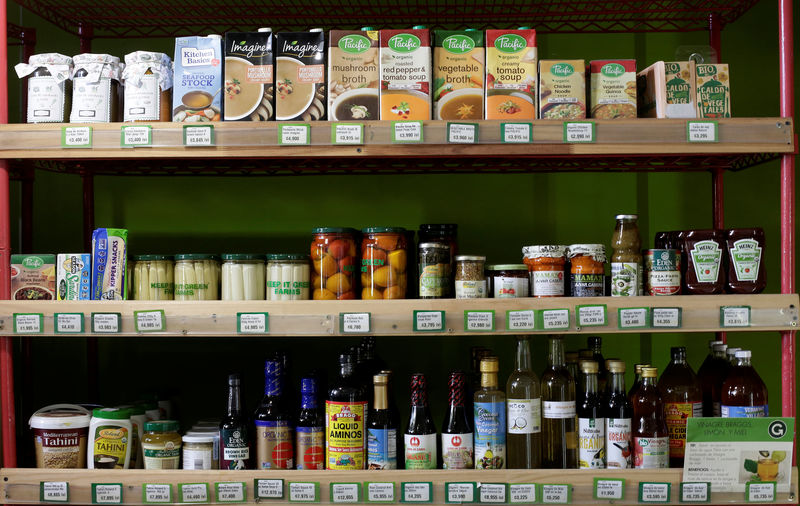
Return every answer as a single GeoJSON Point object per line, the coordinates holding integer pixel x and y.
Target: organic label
{"type": "Point", "coordinates": [274, 445]}
{"type": "Point", "coordinates": [420, 451]}
{"type": "Point", "coordinates": [618, 443]}
{"type": "Point", "coordinates": [345, 435]}
{"type": "Point", "coordinates": [457, 451]}
{"type": "Point", "coordinates": [471, 289]}
{"type": "Point", "coordinates": [310, 447]}
{"type": "Point", "coordinates": [110, 446]}
{"type": "Point", "coordinates": [746, 258]}
{"type": "Point", "coordinates": [676, 414]}
{"type": "Point", "coordinates": [524, 416]}
{"type": "Point", "coordinates": [651, 452]}
{"type": "Point", "coordinates": [160, 456]}
{"type": "Point", "coordinates": [591, 443]}
{"type": "Point", "coordinates": [490, 435]}
{"type": "Point", "coordinates": [706, 257]}
{"type": "Point", "coordinates": [235, 449]}
{"type": "Point", "coordinates": [381, 449]}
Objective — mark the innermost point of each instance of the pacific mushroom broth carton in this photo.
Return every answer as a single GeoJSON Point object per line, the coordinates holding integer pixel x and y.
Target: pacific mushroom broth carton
{"type": "Point", "coordinates": [405, 74]}
{"type": "Point", "coordinates": [458, 73]}
{"type": "Point", "coordinates": [511, 74]}
{"type": "Point", "coordinates": [353, 75]}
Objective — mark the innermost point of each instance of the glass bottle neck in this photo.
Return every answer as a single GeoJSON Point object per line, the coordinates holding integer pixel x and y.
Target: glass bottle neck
{"type": "Point", "coordinates": [590, 384]}
{"type": "Point", "coordinates": [555, 357]}
{"type": "Point", "coordinates": [234, 400]}
{"type": "Point", "coordinates": [308, 401]}
{"type": "Point", "coordinates": [347, 370]}
{"type": "Point", "coordinates": [489, 380]}
{"type": "Point", "coordinates": [742, 362]}
{"type": "Point", "coordinates": [648, 382]}
{"type": "Point", "coordinates": [273, 385]}
{"type": "Point", "coordinates": [617, 384]}
{"type": "Point", "coordinates": [523, 360]}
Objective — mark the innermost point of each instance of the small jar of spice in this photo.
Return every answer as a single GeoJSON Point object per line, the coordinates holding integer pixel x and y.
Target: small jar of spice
{"type": "Point", "coordinates": [470, 278]}
{"type": "Point", "coordinates": [49, 87]}
{"type": "Point", "coordinates": [587, 270]}
{"type": "Point", "coordinates": [148, 87]}
{"type": "Point", "coordinates": [546, 269]}
{"type": "Point", "coordinates": [95, 81]}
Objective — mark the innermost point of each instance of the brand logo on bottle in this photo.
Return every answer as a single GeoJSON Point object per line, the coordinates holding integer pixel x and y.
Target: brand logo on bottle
{"type": "Point", "coordinates": [746, 258]}
{"type": "Point", "coordinates": [404, 43]}
{"type": "Point", "coordinates": [562, 69]}
{"type": "Point", "coordinates": [112, 433]}
{"type": "Point", "coordinates": [510, 43]}
{"type": "Point", "coordinates": [456, 441]}
{"type": "Point", "coordinates": [706, 256]}
{"type": "Point", "coordinates": [458, 44]}
{"type": "Point", "coordinates": [414, 441]}
{"type": "Point", "coordinates": [612, 70]}
{"type": "Point", "coordinates": [354, 44]}
{"type": "Point", "coordinates": [32, 262]}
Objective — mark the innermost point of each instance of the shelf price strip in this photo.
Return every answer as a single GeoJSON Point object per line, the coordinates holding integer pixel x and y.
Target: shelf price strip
{"type": "Point", "coordinates": [156, 493]}
{"type": "Point", "coordinates": [416, 492]}
{"type": "Point", "coordinates": [556, 494]}
{"type": "Point", "coordinates": [303, 491]}
{"type": "Point", "coordinates": [379, 491]}
{"type": "Point", "coordinates": [734, 316]}
{"type": "Point", "coordinates": [252, 323]}
{"type": "Point", "coordinates": [53, 491]}
{"type": "Point", "coordinates": [591, 315]}
{"type": "Point", "coordinates": [459, 492]}
{"type": "Point", "coordinates": [345, 493]}
{"type": "Point", "coordinates": [294, 134]}
{"type": "Point", "coordinates": [479, 321]}
{"type": "Point", "coordinates": [429, 321]}
{"type": "Point", "coordinates": [68, 323]}
{"type": "Point", "coordinates": [268, 489]}
{"type": "Point", "coordinates": [347, 133]}
{"type": "Point", "coordinates": [462, 133]}
{"type": "Point", "coordinates": [654, 493]}
{"type": "Point", "coordinates": [404, 132]}
{"type": "Point", "coordinates": [150, 321]}
{"type": "Point", "coordinates": [579, 132]}
{"type": "Point", "coordinates": [695, 492]}
{"type": "Point", "coordinates": [760, 491]}
{"type": "Point", "coordinates": [76, 137]}
{"type": "Point", "coordinates": [609, 489]}
{"type": "Point", "coordinates": [633, 318]}
{"type": "Point", "coordinates": [493, 493]}
{"type": "Point", "coordinates": [231, 492]}
{"type": "Point", "coordinates": [193, 492]}
{"type": "Point", "coordinates": [105, 323]}
{"type": "Point", "coordinates": [522, 493]}
{"type": "Point", "coordinates": [702, 131]}
{"type": "Point", "coordinates": [106, 493]}
{"type": "Point", "coordinates": [198, 136]}
{"type": "Point", "coordinates": [516, 133]}
{"type": "Point", "coordinates": [28, 323]}
{"type": "Point", "coordinates": [554, 319]}
{"type": "Point", "coordinates": [354, 323]}
{"type": "Point", "coordinates": [136, 136]}
{"type": "Point", "coordinates": [521, 320]}
{"type": "Point", "coordinates": [666, 318]}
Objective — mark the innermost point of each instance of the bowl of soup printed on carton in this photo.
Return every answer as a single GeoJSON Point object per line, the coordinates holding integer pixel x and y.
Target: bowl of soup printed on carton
{"type": "Point", "coordinates": [300, 76]}
{"type": "Point", "coordinates": [249, 77]}
{"type": "Point", "coordinates": [612, 89]}
{"type": "Point", "coordinates": [74, 276]}
{"type": "Point", "coordinates": [713, 90]}
{"type": "Point", "coordinates": [197, 87]}
{"type": "Point", "coordinates": [33, 277]}
{"type": "Point", "coordinates": [562, 89]}
{"type": "Point", "coordinates": [353, 75]}
{"type": "Point", "coordinates": [458, 74]}
{"type": "Point", "coordinates": [511, 74]}
{"type": "Point", "coordinates": [405, 74]}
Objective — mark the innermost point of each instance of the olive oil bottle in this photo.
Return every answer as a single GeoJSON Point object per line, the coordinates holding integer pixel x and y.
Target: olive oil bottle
{"type": "Point", "coordinates": [524, 412]}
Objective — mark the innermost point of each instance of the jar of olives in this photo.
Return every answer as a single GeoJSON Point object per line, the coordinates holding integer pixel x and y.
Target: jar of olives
{"type": "Point", "coordinates": [384, 260]}
{"type": "Point", "coordinates": [95, 80]}
{"type": "Point", "coordinates": [49, 87]}
{"type": "Point", "coordinates": [335, 258]}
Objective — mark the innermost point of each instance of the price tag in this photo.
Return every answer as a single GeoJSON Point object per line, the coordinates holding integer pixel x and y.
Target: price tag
{"type": "Point", "coordinates": [294, 134]}
{"type": "Point", "coordinates": [303, 492]}
{"type": "Point", "coordinates": [479, 321]}
{"type": "Point", "coordinates": [406, 131]}
{"type": "Point", "coordinates": [28, 323]}
{"type": "Point", "coordinates": [133, 136]}
{"type": "Point", "coordinates": [231, 492]}
{"type": "Point", "coordinates": [380, 492]}
{"type": "Point", "coordinates": [556, 494]}
{"type": "Point", "coordinates": [76, 137]}
{"type": "Point", "coordinates": [592, 316]}
{"type": "Point", "coordinates": [459, 492]}
{"type": "Point", "coordinates": [702, 131]}
{"type": "Point", "coordinates": [429, 321]}
{"type": "Point", "coordinates": [345, 492]}
{"type": "Point", "coordinates": [417, 492]}
{"type": "Point", "coordinates": [522, 493]}
{"type": "Point", "coordinates": [633, 318]}
{"type": "Point", "coordinates": [608, 488]}
{"type": "Point", "coordinates": [554, 319]}
{"type": "Point", "coordinates": [462, 133]}
{"type": "Point", "coordinates": [666, 318]}
{"type": "Point", "coordinates": [347, 133]}
{"type": "Point", "coordinates": [105, 323]}
{"type": "Point", "coordinates": [695, 492]}
{"type": "Point", "coordinates": [654, 492]}
{"type": "Point", "coordinates": [53, 491]}
{"type": "Point", "coordinates": [493, 493]}
{"type": "Point", "coordinates": [516, 133]}
{"type": "Point", "coordinates": [268, 489]}
{"type": "Point", "coordinates": [149, 321]}
{"type": "Point", "coordinates": [521, 320]}
{"type": "Point", "coordinates": [68, 323]}
{"type": "Point", "coordinates": [193, 492]}
{"type": "Point", "coordinates": [760, 491]}
{"type": "Point", "coordinates": [354, 323]}
{"type": "Point", "coordinates": [198, 136]}
{"type": "Point", "coordinates": [582, 131]}
{"type": "Point", "coordinates": [106, 493]}
{"type": "Point", "coordinates": [156, 493]}
{"type": "Point", "coordinates": [734, 316]}
{"type": "Point", "coordinates": [252, 323]}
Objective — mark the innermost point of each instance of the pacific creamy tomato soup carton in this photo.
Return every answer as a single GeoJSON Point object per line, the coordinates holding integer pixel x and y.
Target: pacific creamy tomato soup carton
{"type": "Point", "coordinates": [249, 76]}
{"type": "Point", "coordinates": [353, 75]}
{"type": "Point", "coordinates": [713, 90]}
{"type": "Point", "coordinates": [562, 89]}
{"type": "Point", "coordinates": [300, 75]}
{"type": "Point", "coordinates": [405, 74]}
{"type": "Point", "coordinates": [459, 59]}
{"type": "Point", "coordinates": [612, 89]}
{"type": "Point", "coordinates": [197, 87]}
{"type": "Point", "coordinates": [511, 69]}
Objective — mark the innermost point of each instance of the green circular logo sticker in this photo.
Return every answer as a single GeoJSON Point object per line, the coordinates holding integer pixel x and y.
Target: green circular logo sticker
{"type": "Point", "coordinates": [612, 70]}
{"type": "Point", "coordinates": [458, 44]}
{"type": "Point", "coordinates": [404, 43]}
{"type": "Point", "coordinates": [510, 43]}
{"type": "Point", "coordinates": [354, 44]}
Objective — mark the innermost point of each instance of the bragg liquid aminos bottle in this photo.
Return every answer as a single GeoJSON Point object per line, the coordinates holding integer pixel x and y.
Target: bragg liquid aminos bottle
{"type": "Point", "coordinates": [618, 414]}
{"type": "Point", "coordinates": [524, 415]}
{"type": "Point", "coordinates": [345, 410]}
{"type": "Point", "coordinates": [650, 435]}
{"type": "Point", "coordinates": [310, 430]}
{"type": "Point", "coordinates": [382, 427]}
{"type": "Point", "coordinates": [683, 398]}
{"type": "Point", "coordinates": [744, 395]}
{"type": "Point", "coordinates": [559, 420]}
{"type": "Point", "coordinates": [457, 445]}
{"type": "Point", "coordinates": [591, 424]}
{"type": "Point", "coordinates": [234, 433]}
{"type": "Point", "coordinates": [273, 423]}
{"type": "Point", "coordinates": [712, 374]}
{"type": "Point", "coordinates": [420, 436]}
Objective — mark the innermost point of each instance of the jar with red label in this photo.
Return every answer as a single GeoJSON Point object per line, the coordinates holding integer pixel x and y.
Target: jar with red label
{"type": "Point", "coordinates": [335, 257]}
{"type": "Point", "coordinates": [546, 269]}
{"type": "Point", "coordinates": [384, 262]}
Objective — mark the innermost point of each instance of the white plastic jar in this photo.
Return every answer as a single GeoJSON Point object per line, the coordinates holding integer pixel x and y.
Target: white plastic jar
{"type": "Point", "coordinates": [288, 277]}
{"type": "Point", "coordinates": [213, 433]}
{"type": "Point", "coordinates": [243, 277]}
{"type": "Point", "coordinates": [60, 433]}
{"type": "Point", "coordinates": [198, 452]}
{"type": "Point", "coordinates": [110, 434]}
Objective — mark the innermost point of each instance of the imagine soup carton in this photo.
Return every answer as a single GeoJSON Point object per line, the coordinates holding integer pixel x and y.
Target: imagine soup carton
{"type": "Point", "coordinates": [300, 75]}
{"type": "Point", "coordinates": [249, 76]}
{"type": "Point", "coordinates": [405, 74]}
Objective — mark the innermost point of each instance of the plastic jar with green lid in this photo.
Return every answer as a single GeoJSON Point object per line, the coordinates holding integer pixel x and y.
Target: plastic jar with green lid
{"type": "Point", "coordinates": [197, 276]}
{"type": "Point", "coordinates": [161, 445]}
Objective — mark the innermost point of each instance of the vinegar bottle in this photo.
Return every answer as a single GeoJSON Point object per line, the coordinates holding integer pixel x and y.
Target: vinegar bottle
{"type": "Point", "coordinates": [310, 430]}
{"type": "Point", "coordinates": [234, 436]}
{"type": "Point", "coordinates": [420, 437]}
{"type": "Point", "coordinates": [591, 424]}
{"type": "Point", "coordinates": [650, 435]}
{"type": "Point", "coordinates": [490, 419]}
{"type": "Point", "coordinates": [683, 399]}
{"type": "Point", "coordinates": [457, 445]}
{"type": "Point", "coordinates": [618, 413]}
{"type": "Point", "coordinates": [273, 422]}
{"type": "Point", "coordinates": [524, 414]}
{"type": "Point", "coordinates": [744, 395]}
{"type": "Point", "coordinates": [559, 422]}
{"type": "Point", "coordinates": [712, 374]}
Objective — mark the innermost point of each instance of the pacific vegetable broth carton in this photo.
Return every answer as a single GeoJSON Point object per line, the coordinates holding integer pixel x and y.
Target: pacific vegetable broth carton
{"type": "Point", "coordinates": [459, 68]}
{"type": "Point", "coordinates": [612, 89]}
{"type": "Point", "coordinates": [300, 75]}
{"type": "Point", "coordinates": [353, 75]}
{"type": "Point", "coordinates": [713, 90]}
{"type": "Point", "coordinates": [33, 277]}
{"type": "Point", "coordinates": [249, 76]}
{"type": "Point", "coordinates": [74, 276]}
{"type": "Point", "coordinates": [109, 260]}
{"type": "Point", "coordinates": [511, 70]}
{"type": "Point", "coordinates": [197, 88]}
{"type": "Point", "coordinates": [405, 74]}
{"type": "Point", "coordinates": [562, 89]}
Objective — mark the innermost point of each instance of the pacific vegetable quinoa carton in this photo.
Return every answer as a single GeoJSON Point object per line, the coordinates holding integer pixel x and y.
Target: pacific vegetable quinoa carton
{"type": "Point", "coordinates": [458, 73]}
{"type": "Point", "coordinates": [612, 89]}
{"type": "Point", "coordinates": [713, 90]}
{"type": "Point", "coordinates": [511, 70]}
{"type": "Point", "coordinates": [405, 74]}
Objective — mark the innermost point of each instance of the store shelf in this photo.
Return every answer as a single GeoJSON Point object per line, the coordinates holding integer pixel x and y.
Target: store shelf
{"type": "Point", "coordinates": [145, 18]}
{"type": "Point", "coordinates": [396, 317]}
{"type": "Point", "coordinates": [22, 486]}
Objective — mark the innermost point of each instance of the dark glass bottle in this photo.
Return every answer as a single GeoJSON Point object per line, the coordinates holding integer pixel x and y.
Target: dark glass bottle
{"type": "Point", "coordinates": [273, 422]}
{"type": "Point", "coordinates": [395, 413]}
{"type": "Point", "coordinates": [744, 394]}
{"type": "Point", "coordinates": [595, 344]}
{"type": "Point", "coordinates": [618, 414]}
{"type": "Point", "coordinates": [345, 410]}
{"type": "Point", "coordinates": [711, 375]}
{"type": "Point", "coordinates": [650, 434]}
{"type": "Point", "coordinates": [457, 445]}
{"type": "Point", "coordinates": [310, 430]}
{"type": "Point", "coordinates": [234, 433]}
{"type": "Point", "coordinates": [571, 358]}
{"type": "Point", "coordinates": [683, 398]}
{"type": "Point", "coordinates": [382, 427]}
{"type": "Point", "coordinates": [591, 424]}
{"type": "Point", "coordinates": [420, 436]}
{"type": "Point", "coordinates": [559, 421]}
{"type": "Point", "coordinates": [637, 379]}
{"type": "Point", "coordinates": [524, 412]}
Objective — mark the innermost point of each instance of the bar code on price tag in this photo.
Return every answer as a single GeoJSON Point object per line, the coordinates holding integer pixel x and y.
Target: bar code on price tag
{"type": "Point", "coordinates": [347, 133]}
{"type": "Point", "coordinates": [343, 493]}
{"type": "Point", "coordinates": [556, 494]}
{"type": "Point", "coordinates": [407, 131]}
{"type": "Point", "coordinates": [68, 323]}
{"type": "Point", "coordinates": [252, 323]}
{"type": "Point", "coordinates": [149, 321]}
{"type": "Point", "coordinates": [633, 318]}
{"type": "Point", "coordinates": [607, 488]}
{"type": "Point", "coordinates": [193, 492]}
{"type": "Point", "coordinates": [156, 493]}
{"type": "Point", "coordinates": [231, 492]}
{"type": "Point", "coordinates": [28, 323]}
{"type": "Point", "coordinates": [76, 137]}
{"type": "Point", "coordinates": [294, 135]}
{"type": "Point", "coordinates": [133, 136]}
{"type": "Point", "coordinates": [592, 316]}
{"type": "Point", "coordinates": [521, 320]}
{"type": "Point", "coordinates": [303, 492]}
{"type": "Point", "coordinates": [760, 492]}
{"type": "Point", "coordinates": [459, 493]}
{"type": "Point", "coordinates": [654, 492]}
{"type": "Point", "coordinates": [666, 318]}
{"type": "Point", "coordinates": [516, 133]}
{"type": "Point", "coordinates": [429, 321]}
{"type": "Point", "coordinates": [702, 131]}
{"type": "Point", "coordinates": [54, 491]}
{"type": "Point", "coordinates": [695, 492]}
{"type": "Point", "coordinates": [380, 492]}
{"type": "Point", "coordinates": [354, 323]}
{"type": "Point", "coordinates": [479, 321]}
{"type": "Point", "coordinates": [198, 136]}
{"type": "Point", "coordinates": [105, 323]}
{"type": "Point", "coordinates": [269, 489]}
{"type": "Point", "coordinates": [554, 319]}
{"type": "Point", "coordinates": [417, 492]}
{"type": "Point", "coordinates": [522, 493]}
{"type": "Point", "coordinates": [583, 131]}
{"type": "Point", "coordinates": [493, 493]}
{"type": "Point", "coordinates": [462, 133]}
{"type": "Point", "coordinates": [106, 493]}
{"type": "Point", "coordinates": [735, 316]}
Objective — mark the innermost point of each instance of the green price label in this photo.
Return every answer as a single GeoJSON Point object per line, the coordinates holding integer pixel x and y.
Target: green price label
{"type": "Point", "coordinates": [76, 137]}
{"type": "Point", "coordinates": [106, 493]}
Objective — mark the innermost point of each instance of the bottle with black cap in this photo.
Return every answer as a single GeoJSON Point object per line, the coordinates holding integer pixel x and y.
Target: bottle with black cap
{"type": "Point", "coordinates": [234, 434]}
{"type": "Point", "coordinates": [345, 412]}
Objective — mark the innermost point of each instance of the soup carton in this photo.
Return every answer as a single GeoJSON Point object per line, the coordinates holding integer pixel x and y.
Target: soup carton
{"type": "Point", "coordinates": [33, 277]}
{"type": "Point", "coordinates": [562, 89]}
{"type": "Point", "coordinates": [249, 76]}
{"type": "Point", "coordinates": [667, 90]}
{"type": "Point", "coordinates": [74, 276]}
{"type": "Point", "coordinates": [405, 74]}
{"type": "Point", "coordinates": [300, 75]}
{"type": "Point", "coordinates": [613, 89]}
{"type": "Point", "coordinates": [353, 75]}
{"type": "Point", "coordinates": [511, 74]}
{"type": "Point", "coordinates": [459, 59]}
{"type": "Point", "coordinates": [713, 90]}
{"type": "Point", "coordinates": [197, 90]}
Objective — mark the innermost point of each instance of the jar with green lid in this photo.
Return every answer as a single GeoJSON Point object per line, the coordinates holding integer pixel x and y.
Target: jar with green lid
{"type": "Point", "coordinates": [288, 277]}
{"type": "Point", "coordinates": [161, 445]}
{"type": "Point", "coordinates": [508, 280]}
{"type": "Point", "coordinates": [335, 259]}
{"type": "Point", "coordinates": [197, 276]}
{"type": "Point", "coordinates": [243, 276]}
{"type": "Point", "coordinates": [153, 277]}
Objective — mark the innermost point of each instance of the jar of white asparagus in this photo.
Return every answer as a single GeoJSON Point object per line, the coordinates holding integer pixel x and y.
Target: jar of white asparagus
{"type": "Point", "coordinates": [153, 277]}
{"type": "Point", "coordinates": [197, 277]}
{"type": "Point", "coordinates": [243, 276]}
{"type": "Point", "coordinates": [288, 277]}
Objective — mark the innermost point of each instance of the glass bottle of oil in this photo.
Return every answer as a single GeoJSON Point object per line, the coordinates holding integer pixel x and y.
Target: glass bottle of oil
{"type": "Point", "coordinates": [524, 416]}
{"type": "Point", "coordinates": [559, 421]}
{"type": "Point", "coordinates": [490, 419]}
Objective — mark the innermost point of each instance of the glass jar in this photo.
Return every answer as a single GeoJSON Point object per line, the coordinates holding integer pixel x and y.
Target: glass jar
{"type": "Point", "coordinates": [96, 92]}
{"type": "Point", "coordinates": [153, 277]}
{"type": "Point", "coordinates": [446, 233]}
{"type": "Point", "coordinates": [213, 433]}
{"type": "Point", "coordinates": [49, 87]}
{"type": "Point", "coordinates": [335, 258]}
{"type": "Point", "coordinates": [243, 276]}
{"type": "Point", "coordinates": [470, 278]}
{"type": "Point", "coordinates": [161, 445]}
{"type": "Point", "coordinates": [196, 276]}
{"type": "Point", "coordinates": [288, 277]}
{"type": "Point", "coordinates": [147, 77]}
{"type": "Point", "coordinates": [198, 452]}
{"type": "Point", "coordinates": [587, 270]}
{"type": "Point", "coordinates": [546, 265]}
{"type": "Point", "coordinates": [508, 281]}
{"type": "Point", "coordinates": [626, 261]}
{"type": "Point", "coordinates": [384, 261]}
{"type": "Point", "coordinates": [435, 277]}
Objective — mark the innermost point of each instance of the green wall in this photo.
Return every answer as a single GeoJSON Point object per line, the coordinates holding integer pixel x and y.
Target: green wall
{"type": "Point", "coordinates": [497, 214]}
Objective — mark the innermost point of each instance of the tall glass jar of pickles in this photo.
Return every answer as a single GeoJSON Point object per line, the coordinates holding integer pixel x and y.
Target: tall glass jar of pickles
{"type": "Point", "coordinates": [153, 277]}
{"type": "Point", "coordinates": [384, 261]}
{"type": "Point", "coordinates": [244, 276]}
{"type": "Point", "coordinates": [335, 258]}
{"type": "Point", "coordinates": [197, 276]}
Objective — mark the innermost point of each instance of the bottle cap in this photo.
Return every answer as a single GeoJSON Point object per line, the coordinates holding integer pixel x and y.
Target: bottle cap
{"type": "Point", "coordinates": [265, 29]}
{"type": "Point", "coordinates": [584, 353]}
{"type": "Point", "coordinates": [490, 364]}
{"type": "Point", "coordinates": [732, 351]}
{"type": "Point", "coordinates": [712, 343]}
{"type": "Point", "coordinates": [589, 367]}
{"type": "Point", "coordinates": [616, 366]}
{"type": "Point", "coordinates": [626, 217]}
{"type": "Point", "coordinates": [571, 356]}
{"type": "Point", "coordinates": [721, 347]}
{"type": "Point", "coordinates": [649, 372]}
{"type": "Point", "coordinates": [381, 379]}
{"type": "Point", "coordinates": [638, 368]}
{"type": "Point", "coordinates": [367, 29]}
{"type": "Point", "coordinates": [234, 380]}
{"type": "Point", "coordinates": [161, 426]}
{"type": "Point", "coordinates": [744, 354]}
